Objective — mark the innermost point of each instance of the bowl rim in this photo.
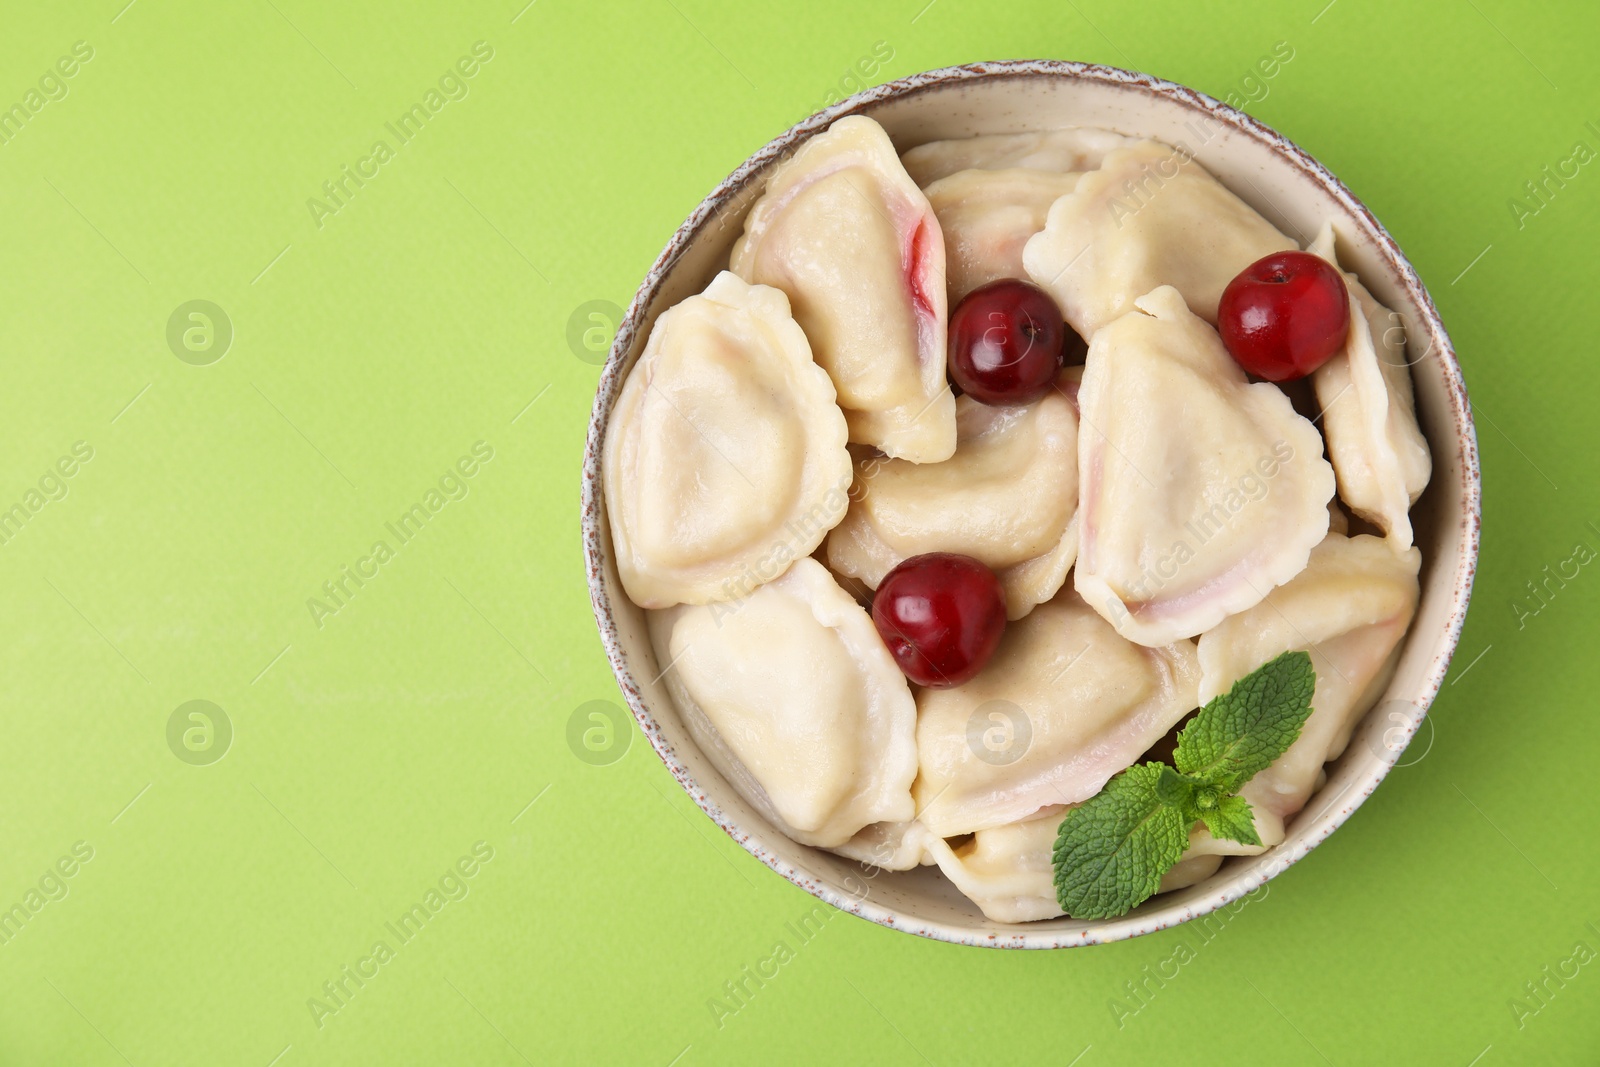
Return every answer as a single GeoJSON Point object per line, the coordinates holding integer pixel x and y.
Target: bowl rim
{"type": "Point", "coordinates": [1333, 813]}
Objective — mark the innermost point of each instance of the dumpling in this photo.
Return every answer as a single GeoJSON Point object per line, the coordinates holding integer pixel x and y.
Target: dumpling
{"type": "Point", "coordinates": [1188, 871]}
{"type": "Point", "coordinates": [987, 216]}
{"type": "Point", "coordinates": [1203, 857]}
{"type": "Point", "coordinates": [851, 239]}
{"type": "Point", "coordinates": [890, 846]}
{"type": "Point", "coordinates": [1151, 215]}
{"type": "Point", "coordinates": [1075, 148]}
{"type": "Point", "coordinates": [1200, 491]}
{"type": "Point", "coordinates": [1349, 608]}
{"type": "Point", "coordinates": [1036, 580]}
{"type": "Point", "coordinates": [1064, 704]}
{"type": "Point", "coordinates": [725, 457]}
{"type": "Point", "coordinates": [1007, 871]}
{"type": "Point", "coordinates": [1368, 414]}
{"type": "Point", "coordinates": [795, 699]}
{"type": "Point", "coordinates": [1007, 498]}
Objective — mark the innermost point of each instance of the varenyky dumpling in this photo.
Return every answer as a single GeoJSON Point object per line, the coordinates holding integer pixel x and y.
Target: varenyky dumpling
{"type": "Point", "coordinates": [724, 441]}
{"type": "Point", "coordinates": [793, 696]}
{"type": "Point", "coordinates": [1074, 148]}
{"type": "Point", "coordinates": [1193, 868]}
{"type": "Point", "coordinates": [1036, 580]}
{"type": "Point", "coordinates": [1064, 704]}
{"type": "Point", "coordinates": [987, 216]}
{"type": "Point", "coordinates": [1368, 413]}
{"type": "Point", "coordinates": [1007, 871]}
{"type": "Point", "coordinates": [1349, 608]}
{"type": "Point", "coordinates": [1151, 215]}
{"type": "Point", "coordinates": [1006, 498]}
{"type": "Point", "coordinates": [1199, 491]}
{"type": "Point", "coordinates": [889, 846]}
{"type": "Point", "coordinates": [851, 239]}
{"type": "Point", "coordinates": [1203, 857]}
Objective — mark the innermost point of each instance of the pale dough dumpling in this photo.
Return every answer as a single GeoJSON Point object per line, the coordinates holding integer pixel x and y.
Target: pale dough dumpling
{"type": "Point", "coordinates": [1007, 498]}
{"type": "Point", "coordinates": [1074, 148]}
{"type": "Point", "coordinates": [795, 699]}
{"type": "Point", "coordinates": [1151, 215]}
{"type": "Point", "coordinates": [1369, 415]}
{"type": "Point", "coordinates": [890, 846]}
{"type": "Point", "coordinates": [1199, 491]}
{"type": "Point", "coordinates": [1188, 871]}
{"type": "Point", "coordinates": [1007, 871]}
{"type": "Point", "coordinates": [1349, 608]}
{"type": "Point", "coordinates": [851, 239]}
{"type": "Point", "coordinates": [724, 460]}
{"type": "Point", "coordinates": [987, 216]}
{"type": "Point", "coordinates": [1203, 857]}
{"type": "Point", "coordinates": [1064, 704]}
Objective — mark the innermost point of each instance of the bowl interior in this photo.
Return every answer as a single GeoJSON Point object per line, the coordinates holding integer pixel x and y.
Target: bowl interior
{"type": "Point", "coordinates": [1292, 191]}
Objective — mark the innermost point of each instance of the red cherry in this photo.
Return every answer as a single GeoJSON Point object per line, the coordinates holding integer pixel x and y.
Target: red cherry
{"type": "Point", "coordinates": [941, 615]}
{"type": "Point", "coordinates": [1285, 315]}
{"type": "Point", "coordinates": [1006, 343]}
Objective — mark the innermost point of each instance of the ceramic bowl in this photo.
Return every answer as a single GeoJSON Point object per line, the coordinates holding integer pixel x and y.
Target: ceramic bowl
{"type": "Point", "coordinates": [1292, 190]}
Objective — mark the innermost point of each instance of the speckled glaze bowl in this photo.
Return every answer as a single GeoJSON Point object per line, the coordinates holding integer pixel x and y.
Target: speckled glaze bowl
{"type": "Point", "coordinates": [1292, 190]}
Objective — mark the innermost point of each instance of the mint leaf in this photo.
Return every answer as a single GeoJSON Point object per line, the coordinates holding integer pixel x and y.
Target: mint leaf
{"type": "Point", "coordinates": [1113, 849]}
{"type": "Point", "coordinates": [1232, 819]}
{"type": "Point", "coordinates": [1242, 731]}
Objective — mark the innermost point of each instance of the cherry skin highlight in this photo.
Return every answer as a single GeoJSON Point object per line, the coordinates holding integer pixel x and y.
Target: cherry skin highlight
{"type": "Point", "coordinates": [1284, 315]}
{"type": "Point", "coordinates": [941, 616]}
{"type": "Point", "coordinates": [1006, 343]}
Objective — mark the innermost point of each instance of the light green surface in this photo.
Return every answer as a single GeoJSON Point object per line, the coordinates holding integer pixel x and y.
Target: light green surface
{"type": "Point", "coordinates": [371, 752]}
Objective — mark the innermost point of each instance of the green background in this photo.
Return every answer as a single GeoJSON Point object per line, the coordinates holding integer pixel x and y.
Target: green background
{"type": "Point", "coordinates": [371, 752]}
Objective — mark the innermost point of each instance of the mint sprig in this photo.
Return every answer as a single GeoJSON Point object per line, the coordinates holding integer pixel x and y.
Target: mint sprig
{"type": "Point", "coordinates": [1113, 849]}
